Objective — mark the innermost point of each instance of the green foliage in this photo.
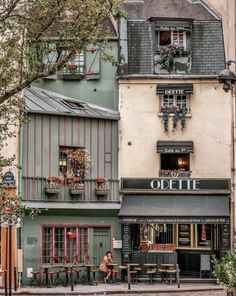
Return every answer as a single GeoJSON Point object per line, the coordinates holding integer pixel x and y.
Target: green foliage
{"type": "Point", "coordinates": [225, 271]}
{"type": "Point", "coordinates": [38, 38]}
{"type": "Point", "coordinates": [179, 115]}
{"type": "Point", "coordinates": [11, 209]}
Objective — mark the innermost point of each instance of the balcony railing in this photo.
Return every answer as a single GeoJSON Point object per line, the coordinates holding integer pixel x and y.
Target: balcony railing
{"type": "Point", "coordinates": [35, 190]}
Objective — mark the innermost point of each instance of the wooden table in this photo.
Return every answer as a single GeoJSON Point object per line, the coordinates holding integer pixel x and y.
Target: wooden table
{"type": "Point", "coordinates": [111, 266]}
{"type": "Point", "coordinates": [88, 267]}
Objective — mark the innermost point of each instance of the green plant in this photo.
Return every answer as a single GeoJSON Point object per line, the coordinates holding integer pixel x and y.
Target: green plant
{"type": "Point", "coordinates": [225, 270]}
{"type": "Point", "coordinates": [179, 115]}
{"type": "Point", "coordinates": [167, 55]}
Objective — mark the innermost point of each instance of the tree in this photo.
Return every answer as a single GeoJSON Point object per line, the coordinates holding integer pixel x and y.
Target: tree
{"type": "Point", "coordinates": [225, 271]}
{"type": "Point", "coordinates": [38, 37]}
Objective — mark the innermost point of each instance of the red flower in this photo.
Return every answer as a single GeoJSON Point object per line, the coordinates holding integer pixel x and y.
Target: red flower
{"type": "Point", "coordinates": [73, 67]}
{"type": "Point", "coordinates": [76, 179]}
{"type": "Point", "coordinates": [101, 180]}
{"type": "Point", "coordinates": [52, 179]}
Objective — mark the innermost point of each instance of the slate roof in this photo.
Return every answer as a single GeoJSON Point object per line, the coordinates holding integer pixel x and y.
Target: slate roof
{"type": "Point", "coordinates": [38, 100]}
{"type": "Point", "coordinates": [207, 44]}
{"type": "Point", "coordinates": [145, 9]}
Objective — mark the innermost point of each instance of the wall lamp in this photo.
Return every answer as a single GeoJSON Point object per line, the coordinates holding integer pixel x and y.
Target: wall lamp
{"type": "Point", "coordinates": [227, 77]}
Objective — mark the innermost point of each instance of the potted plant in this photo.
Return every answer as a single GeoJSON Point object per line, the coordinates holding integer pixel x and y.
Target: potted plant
{"type": "Point", "coordinates": [179, 115]}
{"type": "Point", "coordinates": [53, 185]}
{"type": "Point", "coordinates": [101, 187]}
{"type": "Point", "coordinates": [71, 234]}
{"type": "Point", "coordinates": [76, 187]}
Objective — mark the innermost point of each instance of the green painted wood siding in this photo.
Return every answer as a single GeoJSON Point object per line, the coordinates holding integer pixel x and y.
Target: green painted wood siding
{"type": "Point", "coordinates": [44, 134]}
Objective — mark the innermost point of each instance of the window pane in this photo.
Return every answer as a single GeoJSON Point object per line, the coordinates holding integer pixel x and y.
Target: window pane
{"type": "Point", "coordinates": [204, 235]}
{"type": "Point", "coordinates": [71, 245]}
{"type": "Point", "coordinates": [175, 162]}
{"type": "Point", "coordinates": [181, 102]}
{"type": "Point", "coordinates": [164, 234]}
{"type": "Point", "coordinates": [83, 245]}
{"type": "Point", "coordinates": [59, 245]}
{"type": "Point", "coordinates": [178, 38]}
{"type": "Point", "coordinates": [47, 248]}
{"type": "Point", "coordinates": [168, 101]}
{"type": "Point", "coordinates": [165, 38]}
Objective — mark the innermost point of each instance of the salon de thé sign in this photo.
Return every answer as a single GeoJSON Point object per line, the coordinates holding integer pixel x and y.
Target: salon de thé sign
{"type": "Point", "coordinates": [178, 184]}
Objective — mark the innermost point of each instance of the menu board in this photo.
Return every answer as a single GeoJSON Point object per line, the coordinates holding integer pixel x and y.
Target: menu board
{"type": "Point", "coordinates": [126, 244]}
{"type": "Point", "coordinates": [184, 235]}
{"type": "Point", "coordinates": [225, 237]}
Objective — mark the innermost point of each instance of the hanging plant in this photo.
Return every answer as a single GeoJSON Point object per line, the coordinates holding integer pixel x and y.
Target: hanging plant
{"type": "Point", "coordinates": [179, 115]}
{"type": "Point", "coordinates": [167, 54]}
{"type": "Point", "coordinates": [80, 160]}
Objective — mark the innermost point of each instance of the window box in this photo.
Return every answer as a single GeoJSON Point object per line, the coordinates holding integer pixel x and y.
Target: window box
{"type": "Point", "coordinates": [53, 185]}
{"type": "Point", "coordinates": [76, 191]}
{"type": "Point", "coordinates": [101, 192]}
{"type": "Point", "coordinates": [174, 174]}
{"type": "Point", "coordinates": [71, 76]}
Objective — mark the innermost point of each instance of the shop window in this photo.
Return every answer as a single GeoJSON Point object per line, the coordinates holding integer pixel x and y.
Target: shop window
{"type": "Point", "coordinates": [64, 245]}
{"type": "Point", "coordinates": [184, 235]}
{"type": "Point", "coordinates": [175, 161]}
{"type": "Point", "coordinates": [203, 235]}
{"type": "Point", "coordinates": [175, 101]}
{"type": "Point", "coordinates": [164, 234]}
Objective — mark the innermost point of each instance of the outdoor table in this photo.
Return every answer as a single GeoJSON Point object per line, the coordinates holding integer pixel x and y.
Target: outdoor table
{"type": "Point", "coordinates": [88, 267]}
{"type": "Point", "coordinates": [111, 266]}
{"type": "Point", "coordinates": [166, 266]}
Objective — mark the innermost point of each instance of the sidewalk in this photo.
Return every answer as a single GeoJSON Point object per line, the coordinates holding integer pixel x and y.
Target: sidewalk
{"type": "Point", "coordinates": [105, 289]}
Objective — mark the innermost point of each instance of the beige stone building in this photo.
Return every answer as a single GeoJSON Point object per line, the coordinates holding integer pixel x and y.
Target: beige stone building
{"type": "Point", "coordinates": [175, 149]}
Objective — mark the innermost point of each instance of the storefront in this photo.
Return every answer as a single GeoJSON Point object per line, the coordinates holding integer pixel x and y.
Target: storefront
{"type": "Point", "coordinates": [175, 220]}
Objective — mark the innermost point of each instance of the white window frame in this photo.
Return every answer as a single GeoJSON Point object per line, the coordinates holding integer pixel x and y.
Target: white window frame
{"type": "Point", "coordinates": [163, 97]}
{"type": "Point", "coordinates": [172, 37]}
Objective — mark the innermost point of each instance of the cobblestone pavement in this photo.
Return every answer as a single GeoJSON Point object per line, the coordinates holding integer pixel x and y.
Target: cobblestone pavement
{"type": "Point", "coordinates": [140, 289]}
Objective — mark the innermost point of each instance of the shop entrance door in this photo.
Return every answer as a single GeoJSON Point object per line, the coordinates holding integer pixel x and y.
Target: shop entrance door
{"type": "Point", "coordinates": [101, 243]}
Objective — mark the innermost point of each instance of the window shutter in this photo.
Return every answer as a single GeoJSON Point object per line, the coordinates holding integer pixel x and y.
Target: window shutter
{"type": "Point", "coordinates": [92, 63]}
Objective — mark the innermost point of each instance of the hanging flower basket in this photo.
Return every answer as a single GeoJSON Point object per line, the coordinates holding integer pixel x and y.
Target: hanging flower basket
{"type": "Point", "coordinates": [101, 187]}
{"type": "Point", "coordinates": [76, 191]}
{"type": "Point", "coordinates": [71, 235]}
{"type": "Point", "coordinates": [101, 192]}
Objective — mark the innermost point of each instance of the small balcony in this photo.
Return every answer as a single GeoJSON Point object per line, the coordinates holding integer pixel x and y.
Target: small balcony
{"type": "Point", "coordinates": [81, 191]}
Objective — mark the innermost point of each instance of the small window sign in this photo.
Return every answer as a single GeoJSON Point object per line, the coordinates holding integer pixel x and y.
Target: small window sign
{"type": "Point", "coordinates": [8, 179]}
{"type": "Point", "coordinates": [117, 244]}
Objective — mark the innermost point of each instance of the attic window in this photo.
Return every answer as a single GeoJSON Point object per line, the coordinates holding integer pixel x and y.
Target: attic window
{"type": "Point", "coordinates": [74, 105]}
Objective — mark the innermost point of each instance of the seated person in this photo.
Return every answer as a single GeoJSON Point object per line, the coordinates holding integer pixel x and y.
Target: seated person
{"type": "Point", "coordinates": [104, 267]}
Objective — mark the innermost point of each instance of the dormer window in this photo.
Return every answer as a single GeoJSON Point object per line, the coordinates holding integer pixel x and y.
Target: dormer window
{"type": "Point", "coordinates": [172, 37]}
{"type": "Point", "coordinates": [172, 50]}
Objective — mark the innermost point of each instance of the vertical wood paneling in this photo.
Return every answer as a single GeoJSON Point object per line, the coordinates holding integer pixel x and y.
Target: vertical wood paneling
{"type": "Point", "coordinates": [43, 136]}
{"type": "Point", "coordinates": [91, 153]}
{"type": "Point", "coordinates": [50, 147]}
{"type": "Point", "coordinates": [42, 143]}
{"type": "Point", "coordinates": [35, 157]}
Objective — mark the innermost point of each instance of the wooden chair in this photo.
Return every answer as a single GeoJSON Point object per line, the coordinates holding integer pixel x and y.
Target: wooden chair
{"type": "Point", "coordinates": [123, 270]}
{"type": "Point", "coordinates": [163, 274]}
{"type": "Point", "coordinates": [94, 279]}
{"type": "Point", "coordinates": [169, 273]}
{"type": "Point", "coordinates": [35, 281]}
{"type": "Point", "coordinates": [151, 272]}
{"type": "Point", "coordinates": [133, 276]}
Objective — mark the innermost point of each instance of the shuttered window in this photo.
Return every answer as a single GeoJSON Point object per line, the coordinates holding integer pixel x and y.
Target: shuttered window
{"type": "Point", "coordinates": [92, 63]}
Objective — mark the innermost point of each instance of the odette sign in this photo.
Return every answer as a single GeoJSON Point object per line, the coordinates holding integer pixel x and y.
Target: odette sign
{"type": "Point", "coordinates": [175, 184]}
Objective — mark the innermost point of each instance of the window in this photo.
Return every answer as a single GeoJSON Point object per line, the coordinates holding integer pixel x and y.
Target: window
{"type": "Point", "coordinates": [175, 162]}
{"type": "Point", "coordinates": [204, 235]}
{"type": "Point", "coordinates": [75, 66]}
{"type": "Point", "coordinates": [72, 162]}
{"type": "Point", "coordinates": [64, 245]}
{"type": "Point", "coordinates": [180, 101]}
{"type": "Point", "coordinates": [166, 38]}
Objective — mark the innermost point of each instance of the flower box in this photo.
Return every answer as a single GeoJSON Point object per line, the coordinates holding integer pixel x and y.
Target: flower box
{"type": "Point", "coordinates": [101, 192]}
{"type": "Point", "coordinates": [49, 190]}
{"type": "Point", "coordinates": [76, 191]}
{"type": "Point", "coordinates": [174, 174]}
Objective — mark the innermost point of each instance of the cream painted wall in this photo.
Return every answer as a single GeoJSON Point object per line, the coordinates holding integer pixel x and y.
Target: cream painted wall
{"type": "Point", "coordinates": [227, 10]}
{"type": "Point", "coordinates": [209, 128]}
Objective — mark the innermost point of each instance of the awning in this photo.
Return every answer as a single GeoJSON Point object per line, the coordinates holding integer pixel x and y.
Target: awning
{"type": "Point", "coordinates": [174, 88]}
{"type": "Point", "coordinates": [166, 209]}
{"type": "Point", "coordinates": [175, 146]}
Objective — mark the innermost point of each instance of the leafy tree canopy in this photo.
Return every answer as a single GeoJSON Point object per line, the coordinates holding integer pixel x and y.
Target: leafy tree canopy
{"type": "Point", "coordinates": [38, 37]}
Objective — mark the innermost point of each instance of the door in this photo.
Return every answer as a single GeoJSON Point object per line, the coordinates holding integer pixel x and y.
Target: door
{"type": "Point", "coordinates": [101, 243]}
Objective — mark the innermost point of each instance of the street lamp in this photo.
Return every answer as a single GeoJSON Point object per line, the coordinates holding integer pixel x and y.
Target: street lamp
{"type": "Point", "coordinates": [227, 77]}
